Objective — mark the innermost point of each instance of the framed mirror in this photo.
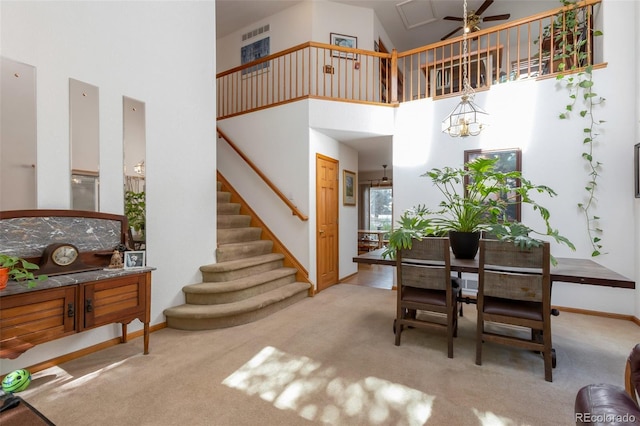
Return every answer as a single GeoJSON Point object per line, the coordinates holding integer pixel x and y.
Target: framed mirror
{"type": "Point", "coordinates": [84, 132]}
{"type": "Point", "coordinates": [17, 135]}
{"type": "Point", "coordinates": [134, 135]}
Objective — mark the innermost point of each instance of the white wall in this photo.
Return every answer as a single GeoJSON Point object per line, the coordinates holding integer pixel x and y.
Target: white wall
{"type": "Point", "coordinates": [287, 29]}
{"type": "Point", "coordinates": [303, 22]}
{"type": "Point", "coordinates": [329, 17]}
{"type": "Point", "coordinates": [276, 140]}
{"type": "Point", "coordinates": [286, 154]}
{"type": "Point", "coordinates": [161, 53]}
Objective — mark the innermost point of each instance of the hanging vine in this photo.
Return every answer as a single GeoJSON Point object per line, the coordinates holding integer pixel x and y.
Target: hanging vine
{"type": "Point", "coordinates": [573, 27]}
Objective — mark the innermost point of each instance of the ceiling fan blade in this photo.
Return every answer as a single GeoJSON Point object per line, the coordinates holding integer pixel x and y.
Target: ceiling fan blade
{"type": "Point", "coordinates": [497, 17]}
{"type": "Point", "coordinates": [484, 7]}
{"type": "Point", "coordinates": [451, 33]}
{"type": "Point", "coordinates": [453, 18]}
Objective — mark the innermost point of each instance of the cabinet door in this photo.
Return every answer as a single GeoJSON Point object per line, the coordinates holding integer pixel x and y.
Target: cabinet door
{"type": "Point", "coordinates": [37, 317]}
{"type": "Point", "coordinates": [115, 300]}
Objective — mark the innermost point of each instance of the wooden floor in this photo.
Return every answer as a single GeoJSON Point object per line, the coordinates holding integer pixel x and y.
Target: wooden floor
{"type": "Point", "coordinates": [378, 276]}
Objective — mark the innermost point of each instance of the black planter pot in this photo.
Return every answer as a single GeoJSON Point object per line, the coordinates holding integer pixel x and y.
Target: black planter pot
{"type": "Point", "coordinates": [464, 244]}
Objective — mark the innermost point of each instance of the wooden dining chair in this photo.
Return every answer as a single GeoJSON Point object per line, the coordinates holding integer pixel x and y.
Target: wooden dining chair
{"type": "Point", "coordinates": [425, 284]}
{"type": "Point", "coordinates": [514, 288]}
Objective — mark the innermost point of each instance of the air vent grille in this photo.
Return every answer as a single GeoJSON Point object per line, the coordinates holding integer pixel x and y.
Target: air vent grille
{"type": "Point", "coordinates": [254, 33]}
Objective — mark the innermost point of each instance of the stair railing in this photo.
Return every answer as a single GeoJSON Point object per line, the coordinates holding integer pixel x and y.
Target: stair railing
{"type": "Point", "coordinates": [534, 47]}
{"type": "Point", "coordinates": [294, 209]}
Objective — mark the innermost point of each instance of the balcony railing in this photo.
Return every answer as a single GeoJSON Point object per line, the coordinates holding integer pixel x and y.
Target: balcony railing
{"type": "Point", "coordinates": [534, 47]}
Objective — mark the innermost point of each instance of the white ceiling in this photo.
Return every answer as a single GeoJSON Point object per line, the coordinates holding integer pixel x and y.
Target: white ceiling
{"type": "Point", "coordinates": [409, 24]}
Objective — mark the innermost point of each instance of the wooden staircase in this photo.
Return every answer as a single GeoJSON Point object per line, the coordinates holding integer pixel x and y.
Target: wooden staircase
{"type": "Point", "coordinates": [249, 280]}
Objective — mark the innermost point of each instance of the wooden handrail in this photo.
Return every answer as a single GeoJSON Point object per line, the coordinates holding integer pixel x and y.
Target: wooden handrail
{"type": "Point", "coordinates": [294, 210]}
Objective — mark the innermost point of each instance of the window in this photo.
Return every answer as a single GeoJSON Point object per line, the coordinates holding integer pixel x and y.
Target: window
{"type": "Point", "coordinates": [380, 208]}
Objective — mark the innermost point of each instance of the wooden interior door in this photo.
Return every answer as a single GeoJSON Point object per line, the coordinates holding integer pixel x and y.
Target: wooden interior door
{"type": "Point", "coordinates": [327, 222]}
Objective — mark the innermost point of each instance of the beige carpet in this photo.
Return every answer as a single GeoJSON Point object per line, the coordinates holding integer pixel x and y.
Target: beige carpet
{"type": "Point", "coordinates": [331, 359]}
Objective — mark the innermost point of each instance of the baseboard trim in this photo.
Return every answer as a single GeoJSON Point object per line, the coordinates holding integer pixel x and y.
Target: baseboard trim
{"type": "Point", "coordinates": [91, 349]}
{"type": "Point", "coordinates": [599, 314]}
{"type": "Point", "coordinates": [342, 280]}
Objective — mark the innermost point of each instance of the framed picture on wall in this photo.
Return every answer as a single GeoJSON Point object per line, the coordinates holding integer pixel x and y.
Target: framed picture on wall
{"type": "Point", "coordinates": [344, 41]}
{"type": "Point", "coordinates": [636, 156]}
{"type": "Point", "coordinates": [348, 188]}
{"type": "Point", "coordinates": [509, 160]}
{"type": "Point", "coordinates": [254, 51]}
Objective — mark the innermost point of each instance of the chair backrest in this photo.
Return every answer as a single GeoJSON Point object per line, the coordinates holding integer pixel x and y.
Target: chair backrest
{"type": "Point", "coordinates": [511, 272]}
{"type": "Point", "coordinates": [427, 264]}
{"type": "Point", "coordinates": [632, 373]}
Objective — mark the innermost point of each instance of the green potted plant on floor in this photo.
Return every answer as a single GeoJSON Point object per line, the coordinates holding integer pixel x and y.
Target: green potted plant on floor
{"type": "Point", "coordinates": [17, 269]}
{"type": "Point", "coordinates": [477, 198]}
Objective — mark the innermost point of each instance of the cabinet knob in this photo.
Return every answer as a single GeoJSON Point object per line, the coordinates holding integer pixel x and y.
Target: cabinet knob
{"type": "Point", "coordinates": [89, 305]}
{"type": "Point", "coordinates": [70, 310]}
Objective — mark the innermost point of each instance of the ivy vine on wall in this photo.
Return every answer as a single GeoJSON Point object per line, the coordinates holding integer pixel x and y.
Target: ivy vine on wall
{"type": "Point", "coordinates": [571, 33]}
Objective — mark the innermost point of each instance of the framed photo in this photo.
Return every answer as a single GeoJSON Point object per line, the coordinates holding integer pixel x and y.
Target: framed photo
{"type": "Point", "coordinates": [636, 156]}
{"type": "Point", "coordinates": [348, 188]}
{"type": "Point", "coordinates": [509, 160]}
{"type": "Point", "coordinates": [344, 41]}
{"type": "Point", "coordinates": [254, 51]}
{"type": "Point", "coordinates": [133, 259]}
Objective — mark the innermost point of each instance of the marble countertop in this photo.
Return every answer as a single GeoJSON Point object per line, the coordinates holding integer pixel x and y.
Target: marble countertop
{"type": "Point", "coordinates": [57, 281]}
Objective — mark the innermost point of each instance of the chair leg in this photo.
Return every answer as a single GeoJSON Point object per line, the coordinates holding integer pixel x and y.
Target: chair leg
{"type": "Point", "coordinates": [398, 326]}
{"type": "Point", "coordinates": [479, 331]}
{"type": "Point", "coordinates": [398, 333]}
{"type": "Point", "coordinates": [452, 328]}
{"type": "Point", "coordinates": [548, 357]}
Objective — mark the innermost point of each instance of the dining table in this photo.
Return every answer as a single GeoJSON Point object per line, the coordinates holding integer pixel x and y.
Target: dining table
{"type": "Point", "coordinates": [568, 270]}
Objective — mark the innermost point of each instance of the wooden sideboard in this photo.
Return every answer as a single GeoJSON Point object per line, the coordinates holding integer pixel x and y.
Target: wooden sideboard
{"type": "Point", "coordinates": [69, 304]}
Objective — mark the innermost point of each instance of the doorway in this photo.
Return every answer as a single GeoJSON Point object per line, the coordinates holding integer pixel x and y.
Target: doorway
{"type": "Point", "coordinates": [327, 221]}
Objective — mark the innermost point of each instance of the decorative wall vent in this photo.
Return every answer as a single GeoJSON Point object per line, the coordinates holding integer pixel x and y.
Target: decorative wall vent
{"type": "Point", "coordinates": [254, 33]}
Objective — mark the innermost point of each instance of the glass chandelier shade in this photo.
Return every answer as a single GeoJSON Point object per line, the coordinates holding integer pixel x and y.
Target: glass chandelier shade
{"type": "Point", "coordinates": [467, 118]}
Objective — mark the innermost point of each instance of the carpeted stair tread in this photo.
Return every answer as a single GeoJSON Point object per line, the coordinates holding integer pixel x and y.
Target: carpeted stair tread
{"type": "Point", "coordinates": [228, 208]}
{"type": "Point", "coordinates": [239, 284]}
{"type": "Point", "coordinates": [223, 197]}
{"type": "Point", "coordinates": [235, 308]}
{"type": "Point", "coordinates": [238, 235]}
{"type": "Point", "coordinates": [248, 282]}
{"type": "Point", "coordinates": [233, 265]}
{"type": "Point", "coordinates": [228, 221]}
{"type": "Point", "coordinates": [234, 251]}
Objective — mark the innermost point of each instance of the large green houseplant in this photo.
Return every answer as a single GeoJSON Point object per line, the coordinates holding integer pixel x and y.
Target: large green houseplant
{"type": "Point", "coordinates": [20, 270]}
{"type": "Point", "coordinates": [477, 198]}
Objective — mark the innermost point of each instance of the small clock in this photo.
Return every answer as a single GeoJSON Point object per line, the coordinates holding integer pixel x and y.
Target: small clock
{"type": "Point", "coordinates": [62, 258]}
{"type": "Point", "coordinates": [64, 255]}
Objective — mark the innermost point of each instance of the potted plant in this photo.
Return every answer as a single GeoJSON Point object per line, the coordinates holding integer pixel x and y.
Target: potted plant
{"type": "Point", "coordinates": [568, 34]}
{"type": "Point", "coordinates": [17, 269]}
{"type": "Point", "coordinates": [477, 198]}
{"type": "Point", "coordinates": [135, 210]}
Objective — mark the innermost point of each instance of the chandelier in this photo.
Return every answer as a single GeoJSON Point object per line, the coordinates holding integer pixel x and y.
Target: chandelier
{"type": "Point", "coordinates": [466, 119]}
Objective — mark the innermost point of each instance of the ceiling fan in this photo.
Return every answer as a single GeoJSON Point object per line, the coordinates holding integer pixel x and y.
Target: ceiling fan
{"type": "Point", "coordinates": [474, 19]}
